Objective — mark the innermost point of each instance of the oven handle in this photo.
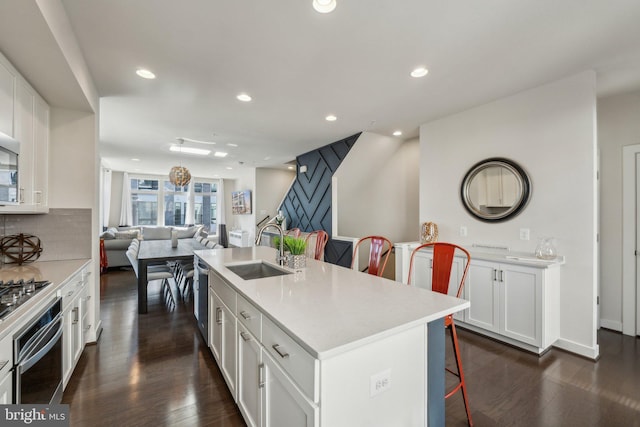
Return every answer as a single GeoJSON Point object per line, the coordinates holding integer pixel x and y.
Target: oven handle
{"type": "Point", "coordinates": [40, 350]}
{"type": "Point", "coordinates": [34, 340]}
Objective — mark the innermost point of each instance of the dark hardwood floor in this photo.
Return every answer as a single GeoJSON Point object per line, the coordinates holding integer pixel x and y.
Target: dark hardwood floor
{"type": "Point", "coordinates": [147, 370]}
{"type": "Point", "coordinates": [155, 370]}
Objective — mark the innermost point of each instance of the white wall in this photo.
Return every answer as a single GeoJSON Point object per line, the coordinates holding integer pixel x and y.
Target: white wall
{"type": "Point", "coordinates": [271, 187]}
{"type": "Point", "coordinates": [72, 169]}
{"type": "Point", "coordinates": [550, 132]}
{"type": "Point", "coordinates": [377, 189]}
{"type": "Point", "coordinates": [618, 126]}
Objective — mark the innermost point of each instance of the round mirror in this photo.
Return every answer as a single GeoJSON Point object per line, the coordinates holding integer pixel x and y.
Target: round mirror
{"type": "Point", "coordinates": [495, 189]}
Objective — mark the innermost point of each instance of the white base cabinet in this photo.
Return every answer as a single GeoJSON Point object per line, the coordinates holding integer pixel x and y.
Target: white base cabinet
{"type": "Point", "coordinates": [75, 320]}
{"type": "Point", "coordinates": [517, 303]}
{"type": "Point", "coordinates": [280, 384]}
{"type": "Point", "coordinates": [512, 301]}
{"type": "Point", "coordinates": [6, 377]}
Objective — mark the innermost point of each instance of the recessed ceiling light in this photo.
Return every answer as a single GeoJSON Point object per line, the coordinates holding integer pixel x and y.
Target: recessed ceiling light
{"type": "Point", "coordinates": [145, 74]}
{"type": "Point", "coordinates": [190, 150]}
{"type": "Point", "coordinates": [229, 168]}
{"type": "Point", "coordinates": [231, 144]}
{"type": "Point", "coordinates": [220, 154]}
{"type": "Point", "coordinates": [243, 97]}
{"type": "Point", "coordinates": [397, 133]}
{"type": "Point", "coordinates": [324, 6]}
{"type": "Point", "coordinates": [419, 72]}
{"type": "Point", "coordinates": [135, 160]}
{"type": "Point", "coordinates": [331, 118]}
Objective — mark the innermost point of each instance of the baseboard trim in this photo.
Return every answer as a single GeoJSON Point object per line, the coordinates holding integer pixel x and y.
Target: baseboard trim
{"type": "Point", "coordinates": [614, 325]}
{"type": "Point", "coordinates": [592, 353]}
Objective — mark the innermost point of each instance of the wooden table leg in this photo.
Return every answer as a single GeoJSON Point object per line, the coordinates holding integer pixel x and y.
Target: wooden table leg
{"type": "Point", "coordinates": [142, 286]}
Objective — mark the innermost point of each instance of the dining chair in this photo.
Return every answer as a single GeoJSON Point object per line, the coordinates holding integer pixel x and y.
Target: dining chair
{"type": "Point", "coordinates": [293, 232]}
{"type": "Point", "coordinates": [379, 251]}
{"type": "Point", "coordinates": [443, 256]}
{"type": "Point", "coordinates": [319, 239]}
{"type": "Point", "coordinates": [154, 272]}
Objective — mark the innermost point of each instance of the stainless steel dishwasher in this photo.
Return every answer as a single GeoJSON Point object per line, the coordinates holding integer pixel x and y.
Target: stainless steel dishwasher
{"type": "Point", "coordinates": [201, 298]}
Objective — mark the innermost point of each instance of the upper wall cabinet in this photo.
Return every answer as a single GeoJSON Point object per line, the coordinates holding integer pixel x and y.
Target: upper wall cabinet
{"type": "Point", "coordinates": [7, 95]}
{"type": "Point", "coordinates": [24, 115]}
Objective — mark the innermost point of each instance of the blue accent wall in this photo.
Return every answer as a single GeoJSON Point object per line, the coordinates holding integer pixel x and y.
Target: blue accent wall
{"type": "Point", "coordinates": [307, 205]}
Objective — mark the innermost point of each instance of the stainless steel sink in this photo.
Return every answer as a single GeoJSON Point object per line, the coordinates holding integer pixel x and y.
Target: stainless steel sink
{"type": "Point", "coordinates": [256, 270]}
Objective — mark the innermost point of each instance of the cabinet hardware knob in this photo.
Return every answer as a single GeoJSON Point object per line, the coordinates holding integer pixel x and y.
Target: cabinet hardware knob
{"type": "Point", "coordinates": [245, 336]}
{"type": "Point", "coordinates": [245, 315]}
{"type": "Point", "coordinates": [276, 347]}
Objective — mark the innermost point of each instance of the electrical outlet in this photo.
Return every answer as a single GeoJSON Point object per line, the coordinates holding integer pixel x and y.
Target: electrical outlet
{"type": "Point", "coordinates": [463, 231]}
{"type": "Point", "coordinates": [380, 382]}
{"type": "Point", "coordinates": [524, 234]}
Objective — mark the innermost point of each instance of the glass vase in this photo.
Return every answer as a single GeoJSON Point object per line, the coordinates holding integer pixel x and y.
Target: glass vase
{"type": "Point", "coordinates": [546, 248]}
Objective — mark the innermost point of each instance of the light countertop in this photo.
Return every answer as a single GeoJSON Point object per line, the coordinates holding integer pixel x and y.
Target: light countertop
{"type": "Point", "coordinates": [330, 309]}
{"type": "Point", "coordinates": [56, 272]}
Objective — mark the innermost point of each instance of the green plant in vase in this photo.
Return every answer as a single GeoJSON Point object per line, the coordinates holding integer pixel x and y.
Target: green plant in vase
{"type": "Point", "coordinates": [295, 245]}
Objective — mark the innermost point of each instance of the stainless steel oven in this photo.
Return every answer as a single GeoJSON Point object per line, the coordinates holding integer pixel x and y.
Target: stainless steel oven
{"type": "Point", "coordinates": [37, 358]}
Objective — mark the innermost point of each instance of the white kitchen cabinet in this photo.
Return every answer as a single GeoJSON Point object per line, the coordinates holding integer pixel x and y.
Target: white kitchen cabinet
{"type": "Point", "coordinates": [29, 119]}
{"type": "Point", "coordinates": [6, 377]}
{"type": "Point", "coordinates": [514, 296]}
{"type": "Point", "coordinates": [40, 196]}
{"type": "Point", "coordinates": [249, 380]}
{"type": "Point", "coordinates": [74, 294]}
{"type": "Point", "coordinates": [518, 303]}
{"type": "Point", "coordinates": [223, 331]}
{"type": "Point", "coordinates": [282, 402]}
{"type": "Point", "coordinates": [501, 187]}
{"type": "Point", "coordinates": [7, 96]}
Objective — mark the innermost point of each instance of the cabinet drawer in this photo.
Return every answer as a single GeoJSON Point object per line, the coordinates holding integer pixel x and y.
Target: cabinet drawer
{"type": "Point", "coordinates": [294, 360]}
{"type": "Point", "coordinates": [71, 289]}
{"type": "Point", "coordinates": [224, 291]}
{"type": "Point", "coordinates": [250, 317]}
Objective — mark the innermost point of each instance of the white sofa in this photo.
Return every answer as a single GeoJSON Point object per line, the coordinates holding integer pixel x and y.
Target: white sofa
{"type": "Point", "coordinates": [118, 239]}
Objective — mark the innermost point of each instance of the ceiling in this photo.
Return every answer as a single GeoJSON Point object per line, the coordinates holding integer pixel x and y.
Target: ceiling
{"type": "Point", "coordinates": [299, 66]}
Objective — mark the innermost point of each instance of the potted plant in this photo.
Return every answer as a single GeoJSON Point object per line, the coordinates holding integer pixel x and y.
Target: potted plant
{"type": "Point", "coordinates": [296, 247]}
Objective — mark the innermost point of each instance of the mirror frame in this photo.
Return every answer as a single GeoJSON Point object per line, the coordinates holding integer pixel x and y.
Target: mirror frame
{"type": "Point", "coordinates": [523, 181]}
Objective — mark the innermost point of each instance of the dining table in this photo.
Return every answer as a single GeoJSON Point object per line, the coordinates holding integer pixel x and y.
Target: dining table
{"type": "Point", "coordinates": [154, 251]}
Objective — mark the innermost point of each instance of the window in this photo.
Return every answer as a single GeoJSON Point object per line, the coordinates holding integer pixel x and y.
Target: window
{"type": "Point", "coordinates": [156, 202]}
{"type": "Point", "coordinates": [144, 201]}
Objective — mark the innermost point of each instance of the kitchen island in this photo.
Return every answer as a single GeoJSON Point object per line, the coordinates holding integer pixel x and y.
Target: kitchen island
{"type": "Point", "coordinates": [326, 345]}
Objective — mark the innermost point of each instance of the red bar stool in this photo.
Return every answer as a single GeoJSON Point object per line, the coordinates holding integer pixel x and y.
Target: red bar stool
{"type": "Point", "coordinates": [377, 253]}
{"type": "Point", "coordinates": [443, 254]}
{"type": "Point", "coordinates": [321, 241]}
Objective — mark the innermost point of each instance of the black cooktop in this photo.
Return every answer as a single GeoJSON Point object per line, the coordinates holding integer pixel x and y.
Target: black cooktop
{"type": "Point", "coordinates": [15, 293]}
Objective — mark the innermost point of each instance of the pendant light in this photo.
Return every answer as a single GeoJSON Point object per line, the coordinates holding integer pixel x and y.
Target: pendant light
{"type": "Point", "coordinates": [179, 175]}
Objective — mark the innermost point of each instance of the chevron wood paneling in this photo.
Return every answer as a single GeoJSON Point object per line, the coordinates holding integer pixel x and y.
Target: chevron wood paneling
{"type": "Point", "coordinates": [307, 205]}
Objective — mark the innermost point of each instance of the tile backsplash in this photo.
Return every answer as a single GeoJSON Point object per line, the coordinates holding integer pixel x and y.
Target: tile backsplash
{"type": "Point", "coordinates": [64, 233]}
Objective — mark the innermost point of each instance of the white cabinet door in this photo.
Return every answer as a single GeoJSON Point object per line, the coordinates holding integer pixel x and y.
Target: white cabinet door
{"type": "Point", "coordinates": [215, 326]}
{"type": "Point", "coordinates": [40, 195]}
{"type": "Point", "coordinates": [483, 293]}
{"type": "Point", "coordinates": [228, 351]}
{"type": "Point", "coordinates": [25, 105]}
{"type": "Point", "coordinates": [283, 404]}
{"type": "Point", "coordinates": [6, 389]}
{"type": "Point", "coordinates": [521, 303]}
{"type": "Point", "coordinates": [249, 381]}
{"type": "Point", "coordinates": [7, 95]}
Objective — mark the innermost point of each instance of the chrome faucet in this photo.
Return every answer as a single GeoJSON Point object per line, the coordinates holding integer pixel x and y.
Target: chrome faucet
{"type": "Point", "coordinates": [280, 258]}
